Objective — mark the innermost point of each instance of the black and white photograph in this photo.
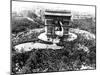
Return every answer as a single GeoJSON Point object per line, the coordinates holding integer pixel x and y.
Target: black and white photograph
{"type": "Point", "coordinates": [52, 37]}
